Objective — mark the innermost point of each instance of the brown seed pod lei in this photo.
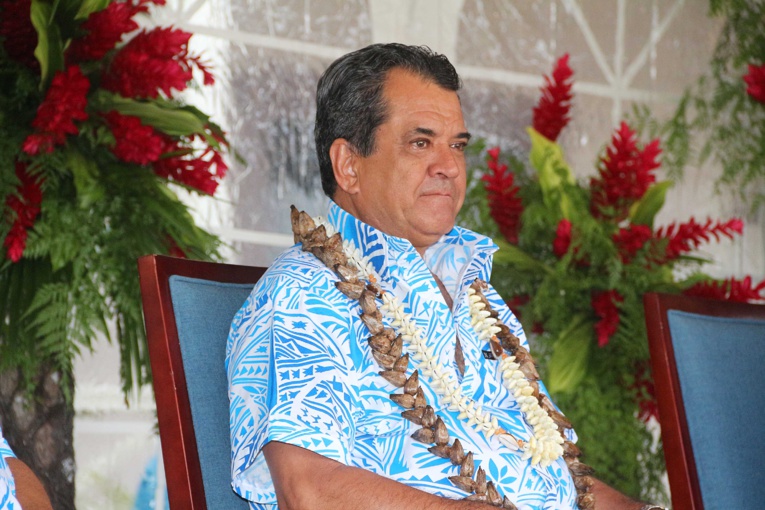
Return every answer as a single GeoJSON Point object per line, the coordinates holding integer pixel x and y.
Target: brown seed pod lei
{"type": "Point", "coordinates": [387, 349]}
{"type": "Point", "coordinates": [580, 472]}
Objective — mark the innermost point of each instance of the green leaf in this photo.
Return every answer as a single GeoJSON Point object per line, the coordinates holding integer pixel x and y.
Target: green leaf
{"type": "Point", "coordinates": [50, 48]}
{"type": "Point", "coordinates": [553, 171]}
{"type": "Point", "coordinates": [645, 210]}
{"type": "Point", "coordinates": [568, 362]}
{"type": "Point", "coordinates": [87, 7]}
{"type": "Point", "coordinates": [170, 120]}
{"type": "Point", "coordinates": [86, 182]}
{"type": "Point", "coordinates": [510, 254]}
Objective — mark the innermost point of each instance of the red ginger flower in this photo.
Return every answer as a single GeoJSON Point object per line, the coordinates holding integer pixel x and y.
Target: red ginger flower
{"type": "Point", "coordinates": [688, 236]}
{"type": "Point", "coordinates": [504, 203]}
{"type": "Point", "coordinates": [64, 103]}
{"type": "Point", "coordinates": [551, 114]}
{"type": "Point", "coordinates": [154, 61]}
{"type": "Point", "coordinates": [17, 32]}
{"type": "Point", "coordinates": [135, 143]}
{"type": "Point", "coordinates": [729, 290]}
{"type": "Point", "coordinates": [604, 306]}
{"type": "Point", "coordinates": [202, 173]}
{"type": "Point", "coordinates": [105, 28]}
{"type": "Point", "coordinates": [25, 203]}
{"type": "Point", "coordinates": [755, 81]}
{"type": "Point", "coordinates": [562, 238]}
{"type": "Point", "coordinates": [646, 393]}
{"type": "Point", "coordinates": [630, 239]}
{"type": "Point", "coordinates": [624, 175]}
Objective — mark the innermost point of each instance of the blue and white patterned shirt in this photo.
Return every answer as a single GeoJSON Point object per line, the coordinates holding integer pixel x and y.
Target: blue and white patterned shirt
{"type": "Point", "coordinates": [7, 486]}
{"type": "Point", "coordinates": [301, 372]}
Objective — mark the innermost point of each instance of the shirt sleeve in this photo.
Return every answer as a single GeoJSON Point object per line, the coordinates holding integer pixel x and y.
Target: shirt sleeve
{"type": "Point", "coordinates": [7, 486]}
{"type": "Point", "coordinates": [288, 366]}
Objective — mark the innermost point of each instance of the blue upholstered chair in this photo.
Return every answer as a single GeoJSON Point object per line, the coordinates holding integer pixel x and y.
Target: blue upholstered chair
{"type": "Point", "coordinates": [188, 307]}
{"type": "Point", "coordinates": [708, 361]}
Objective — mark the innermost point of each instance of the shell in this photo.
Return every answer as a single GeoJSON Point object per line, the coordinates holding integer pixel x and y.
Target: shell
{"type": "Point", "coordinates": [457, 454]}
{"type": "Point", "coordinates": [397, 346]}
{"type": "Point", "coordinates": [463, 482]}
{"type": "Point", "coordinates": [496, 348]}
{"type": "Point", "coordinates": [402, 364]}
{"type": "Point", "coordinates": [467, 466]}
{"type": "Point", "coordinates": [350, 289]}
{"type": "Point", "coordinates": [419, 398]}
{"type": "Point", "coordinates": [480, 481]}
{"type": "Point", "coordinates": [423, 435]}
{"type": "Point", "coordinates": [493, 495]}
{"type": "Point", "coordinates": [395, 378]}
{"type": "Point", "coordinates": [412, 383]}
{"type": "Point", "coordinates": [403, 400]}
{"type": "Point", "coordinates": [428, 417]}
{"type": "Point", "coordinates": [440, 432]}
{"type": "Point", "coordinates": [414, 415]}
{"type": "Point", "coordinates": [384, 360]}
{"type": "Point", "coordinates": [441, 450]}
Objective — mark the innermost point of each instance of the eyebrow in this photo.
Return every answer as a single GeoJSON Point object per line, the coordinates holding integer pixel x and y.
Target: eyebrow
{"type": "Point", "coordinates": [429, 132]}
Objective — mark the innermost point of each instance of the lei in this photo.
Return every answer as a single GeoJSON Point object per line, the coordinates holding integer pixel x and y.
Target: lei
{"type": "Point", "coordinates": [392, 346]}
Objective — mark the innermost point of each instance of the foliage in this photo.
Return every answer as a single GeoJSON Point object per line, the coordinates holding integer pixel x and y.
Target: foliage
{"type": "Point", "coordinates": [575, 260]}
{"type": "Point", "coordinates": [94, 147]}
{"type": "Point", "coordinates": [722, 117]}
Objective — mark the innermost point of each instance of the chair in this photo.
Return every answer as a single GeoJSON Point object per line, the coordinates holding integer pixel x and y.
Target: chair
{"type": "Point", "coordinates": [188, 307]}
{"type": "Point", "coordinates": [708, 362]}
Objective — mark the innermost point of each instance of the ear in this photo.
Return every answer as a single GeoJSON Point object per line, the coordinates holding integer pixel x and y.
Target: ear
{"type": "Point", "coordinates": [343, 163]}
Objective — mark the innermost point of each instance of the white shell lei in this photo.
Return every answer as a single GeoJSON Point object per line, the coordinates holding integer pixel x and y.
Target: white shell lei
{"type": "Point", "coordinates": [543, 447]}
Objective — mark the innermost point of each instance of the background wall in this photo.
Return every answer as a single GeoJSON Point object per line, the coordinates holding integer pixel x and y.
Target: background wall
{"type": "Point", "coordinates": [268, 56]}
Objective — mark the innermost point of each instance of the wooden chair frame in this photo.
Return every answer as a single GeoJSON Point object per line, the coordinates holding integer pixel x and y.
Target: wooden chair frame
{"type": "Point", "coordinates": [678, 451]}
{"type": "Point", "coordinates": [179, 446]}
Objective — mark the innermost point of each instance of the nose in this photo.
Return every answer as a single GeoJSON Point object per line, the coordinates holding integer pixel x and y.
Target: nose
{"type": "Point", "coordinates": [447, 162]}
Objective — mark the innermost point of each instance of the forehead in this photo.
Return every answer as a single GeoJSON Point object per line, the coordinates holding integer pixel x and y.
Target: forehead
{"type": "Point", "coordinates": [411, 98]}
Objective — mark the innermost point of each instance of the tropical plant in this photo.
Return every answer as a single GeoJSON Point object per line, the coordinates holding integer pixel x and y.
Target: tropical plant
{"type": "Point", "coordinates": [95, 144]}
{"type": "Point", "coordinates": [575, 260]}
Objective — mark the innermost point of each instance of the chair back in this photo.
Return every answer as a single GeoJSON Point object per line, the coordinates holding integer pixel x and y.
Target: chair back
{"type": "Point", "coordinates": [708, 362]}
{"type": "Point", "coordinates": [188, 307]}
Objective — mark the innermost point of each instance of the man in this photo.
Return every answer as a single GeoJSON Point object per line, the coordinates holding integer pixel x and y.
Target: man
{"type": "Point", "coordinates": [18, 484]}
{"type": "Point", "coordinates": [313, 422]}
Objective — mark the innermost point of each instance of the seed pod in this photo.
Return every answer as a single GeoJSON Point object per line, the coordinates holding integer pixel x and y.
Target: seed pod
{"type": "Point", "coordinates": [529, 369]}
{"type": "Point", "coordinates": [334, 243]}
{"type": "Point", "coordinates": [492, 495]}
{"type": "Point", "coordinates": [419, 398]}
{"type": "Point", "coordinates": [428, 417]}
{"type": "Point", "coordinates": [467, 466]}
{"type": "Point", "coordinates": [402, 364]}
{"type": "Point", "coordinates": [395, 378]}
{"type": "Point", "coordinates": [373, 322]}
{"type": "Point", "coordinates": [458, 454]}
{"type": "Point", "coordinates": [384, 360]}
{"type": "Point", "coordinates": [423, 435]}
{"type": "Point", "coordinates": [586, 501]}
{"type": "Point", "coordinates": [403, 400]}
{"type": "Point", "coordinates": [412, 383]}
{"type": "Point", "coordinates": [441, 450]}
{"type": "Point", "coordinates": [570, 449]}
{"type": "Point", "coordinates": [397, 346]}
{"type": "Point", "coordinates": [463, 482]}
{"type": "Point", "coordinates": [315, 239]}
{"type": "Point", "coordinates": [440, 432]}
{"type": "Point", "coordinates": [330, 257]}
{"type": "Point", "coordinates": [414, 415]}
{"type": "Point", "coordinates": [350, 289]}
{"type": "Point", "coordinates": [481, 498]}
{"type": "Point", "coordinates": [375, 287]}
{"type": "Point", "coordinates": [368, 302]}
{"type": "Point", "coordinates": [583, 483]}
{"type": "Point", "coordinates": [348, 275]}
{"type": "Point", "coordinates": [509, 341]}
{"type": "Point", "coordinates": [580, 469]}
{"type": "Point", "coordinates": [534, 385]}
{"type": "Point", "coordinates": [381, 343]}
{"type": "Point", "coordinates": [496, 348]}
{"type": "Point", "coordinates": [507, 504]}
{"type": "Point", "coordinates": [480, 481]}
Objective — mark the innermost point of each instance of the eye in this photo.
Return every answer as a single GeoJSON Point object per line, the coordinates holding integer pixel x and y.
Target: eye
{"type": "Point", "coordinates": [420, 144]}
{"type": "Point", "coordinates": [460, 146]}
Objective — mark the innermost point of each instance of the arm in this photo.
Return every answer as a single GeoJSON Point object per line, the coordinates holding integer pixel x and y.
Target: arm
{"type": "Point", "coordinates": [29, 491]}
{"type": "Point", "coordinates": [607, 498]}
{"type": "Point", "coordinates": [304, 479]}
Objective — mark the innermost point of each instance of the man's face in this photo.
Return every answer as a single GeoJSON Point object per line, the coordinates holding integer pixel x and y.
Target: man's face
{"type": "Point", "coordinates": [413, 184]}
